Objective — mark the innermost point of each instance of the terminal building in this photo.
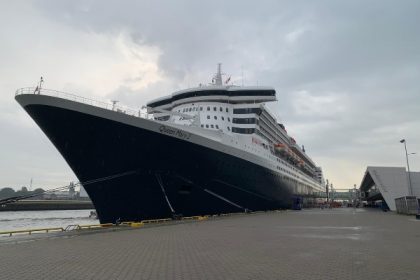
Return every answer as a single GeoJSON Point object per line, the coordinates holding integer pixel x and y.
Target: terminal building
{"type": "Point", "coordinates": [388, 183]}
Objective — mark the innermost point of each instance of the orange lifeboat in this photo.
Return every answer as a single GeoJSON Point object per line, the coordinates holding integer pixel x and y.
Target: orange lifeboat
{"type": "Point", "coordinates": [280, 147]}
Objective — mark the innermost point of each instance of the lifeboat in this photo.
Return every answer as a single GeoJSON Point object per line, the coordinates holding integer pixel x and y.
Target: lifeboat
{"type": "Point", "coordinates": [280, 147]}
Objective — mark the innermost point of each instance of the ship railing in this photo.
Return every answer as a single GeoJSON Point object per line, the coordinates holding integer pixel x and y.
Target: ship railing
{"type": "Point", "coordinates": [88, 101]}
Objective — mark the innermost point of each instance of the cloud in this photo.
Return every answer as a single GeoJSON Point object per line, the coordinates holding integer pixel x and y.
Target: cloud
{"type": "Point", "coordinates": [346, 73]}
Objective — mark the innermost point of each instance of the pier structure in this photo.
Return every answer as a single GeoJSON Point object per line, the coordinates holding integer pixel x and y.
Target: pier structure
{"type": "Point", "coordinates": [389, 183]}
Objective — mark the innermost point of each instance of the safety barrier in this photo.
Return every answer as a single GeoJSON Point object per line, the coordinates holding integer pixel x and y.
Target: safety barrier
{"type": "Point", "coordinates": [30, 231]}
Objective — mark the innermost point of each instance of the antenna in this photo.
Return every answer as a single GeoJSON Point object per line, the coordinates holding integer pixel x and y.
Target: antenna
{"type": "Point", "coordinates": [242, 74]}
{"type": "Point", "coordinates": [218, 78]}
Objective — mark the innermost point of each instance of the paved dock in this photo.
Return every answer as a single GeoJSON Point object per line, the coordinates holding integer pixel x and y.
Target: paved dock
{"type": "Point", "coordinates": [308, 244]}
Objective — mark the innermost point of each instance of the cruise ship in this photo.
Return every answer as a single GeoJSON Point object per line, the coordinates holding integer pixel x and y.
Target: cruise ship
{"type": "Point", "coordinates": [207, 150]}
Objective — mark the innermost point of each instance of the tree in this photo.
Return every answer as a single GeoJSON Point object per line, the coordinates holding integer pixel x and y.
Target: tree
{"type": "Point", "coordinates": [7, 192]}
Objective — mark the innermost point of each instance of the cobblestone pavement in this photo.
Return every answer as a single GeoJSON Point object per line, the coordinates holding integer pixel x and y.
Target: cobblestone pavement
{"type": "Point", "coordinates": [308, 244]}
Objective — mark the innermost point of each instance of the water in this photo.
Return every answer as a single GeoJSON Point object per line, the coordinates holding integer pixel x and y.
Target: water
{"type": "Point", "coordinates": [16, 220]}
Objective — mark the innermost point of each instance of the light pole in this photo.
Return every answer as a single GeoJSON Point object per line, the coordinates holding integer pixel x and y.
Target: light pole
{"type": "Point", "coordinates": [408, 166]}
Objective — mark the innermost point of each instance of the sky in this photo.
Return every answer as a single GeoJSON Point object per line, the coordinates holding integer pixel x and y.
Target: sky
{"type": "Point", "coordinates": [346, 73]}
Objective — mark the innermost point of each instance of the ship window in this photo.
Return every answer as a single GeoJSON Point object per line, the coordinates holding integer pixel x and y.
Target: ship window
{"type": "Point", "coordinates": [228, 119]}
{"type": "Point", "coordinates": [214, 109]}
{"type": "Point", "coordinates": [217, 126]}
{"type": "Point", "coordinates": [183, 110]}
{"type": "Point", "coordinates": [221, 109]}
{"type": "Point", "coordinates": [212, 126]}
{"type": "Point", "coordinates": [227, 110]}
{"type": "Point", "coordinates": [247, 111]}
{"type": "Point", "coordinates": [215, 117]}
{"type": "Point", "coordinates": [201, 108]}
{"type": "Point", "coordinates": [207, 126]}
{"type": "Point", "coordinates": [223, 118]}
{"type": "Point", "coordinates": [243, 130]}
{"type": "Point", "coordinates": [189, 110]}
{"type": "Point", "coordinates": [208, 108]}
{"type": "Point", "coordinates": [228, 128]}
{"type": "Point", "coordinates": [208, 117]}
{"type": "Point", "coordinates": [202, 125]}
{"type": "Point", "coordinates": [244, 120]}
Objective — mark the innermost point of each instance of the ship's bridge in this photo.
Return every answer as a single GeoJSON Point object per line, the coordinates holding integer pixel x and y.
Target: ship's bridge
{"type": "Point", "coordinates": [222, 94]}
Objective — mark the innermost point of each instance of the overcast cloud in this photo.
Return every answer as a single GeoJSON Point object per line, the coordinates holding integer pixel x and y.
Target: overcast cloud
{"type": "Point", "coordinates": [346, 72]}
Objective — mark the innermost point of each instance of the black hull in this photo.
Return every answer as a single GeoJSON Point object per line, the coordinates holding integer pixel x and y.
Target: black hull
{"type": "Point", "coordinates": [156, 175]}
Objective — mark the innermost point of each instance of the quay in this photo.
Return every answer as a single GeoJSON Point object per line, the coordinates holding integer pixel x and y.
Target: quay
{"type": "Point", "coordinates": [344, 243]}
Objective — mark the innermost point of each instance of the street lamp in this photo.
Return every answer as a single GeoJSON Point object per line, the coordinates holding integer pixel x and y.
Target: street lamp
{"type": "Point", "coordinates": [408, 165]}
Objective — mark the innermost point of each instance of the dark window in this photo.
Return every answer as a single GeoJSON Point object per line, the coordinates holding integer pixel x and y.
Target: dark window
{"type": "Point", "coordinates": [207, 126]}
{"type": "Point", "coordinates": [202, 125]}
{"type": "Point", "coordinates": [214, 109]}
{"type": "Point", "coordinates": [223, 118]}
{"type": "Point", "coordinates": [228, 128]}
{"type": "Point", "coordinates": [208, 117]}
{"type": "Point", "coordinates": [189, 110]}
{"type": "Point", "coordinates": [247, 111]}
{"type": "Point", "coordinates": [212, 126]}
{"type": "Point", "coordinates": [208, 108]}
{"type": "Point", "coordinates": [243, 130]}
{"type": "Point", "coordinates": [228, 119]}
{"type": "Point", "coordinates": [183, 110]}
{"type": "Point", "coordinates": [201, 108]}
{"type": "Point", "coordinates": [215, 117]}
{"type": "Point", "coordinates": [244, 120]}
{"type": "Point", "coordinates": [217, 126]}
{"type": "Point", "coordinates": [227, 110]}
{"type": "Point", "coordinates": [221, 109]}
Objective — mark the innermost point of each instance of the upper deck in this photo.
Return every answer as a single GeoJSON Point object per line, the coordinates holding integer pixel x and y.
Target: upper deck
{"type": "Point", "coordinates": [214, 93]}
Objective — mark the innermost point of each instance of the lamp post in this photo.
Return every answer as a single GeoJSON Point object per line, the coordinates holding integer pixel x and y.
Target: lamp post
{"type": "Point", "coordinates": [408, 166]}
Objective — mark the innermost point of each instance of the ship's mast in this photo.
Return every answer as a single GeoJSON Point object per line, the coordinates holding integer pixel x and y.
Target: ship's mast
{"type": "Point", "coordinates": [218, 78]}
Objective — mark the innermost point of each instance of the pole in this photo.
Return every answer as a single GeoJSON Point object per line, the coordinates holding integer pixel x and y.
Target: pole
{"type": "Point", "coordinates": [408, 167]}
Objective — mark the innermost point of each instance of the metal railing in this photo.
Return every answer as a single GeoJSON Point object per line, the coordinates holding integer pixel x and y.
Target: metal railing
{"type": "Point", "coordinates": [84, 100]}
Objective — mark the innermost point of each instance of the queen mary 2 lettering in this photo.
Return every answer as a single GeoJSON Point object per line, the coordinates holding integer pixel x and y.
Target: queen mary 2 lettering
{"type": "Point", "coordinates": [207, 150]}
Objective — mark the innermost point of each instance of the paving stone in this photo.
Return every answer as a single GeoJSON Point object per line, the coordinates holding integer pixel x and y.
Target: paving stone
{"type": "Point", "coordinates": [309, 244]}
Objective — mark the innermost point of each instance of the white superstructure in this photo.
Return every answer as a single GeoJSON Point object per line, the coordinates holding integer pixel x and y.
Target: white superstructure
{"type": "Point", "coordinates": [238, 117]}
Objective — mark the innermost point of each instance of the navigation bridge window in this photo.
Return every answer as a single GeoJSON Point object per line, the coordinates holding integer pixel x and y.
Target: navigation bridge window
{"type": "Point", "coordinates": [247, 111]}
{"type": "Point", "coordinates": [245, 120]}
{"type": "Point", "coordinates": [243, 130]}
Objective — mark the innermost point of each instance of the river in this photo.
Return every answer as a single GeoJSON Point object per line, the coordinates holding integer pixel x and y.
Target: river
{"type": "Point", "coordinates": [16, 220]}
